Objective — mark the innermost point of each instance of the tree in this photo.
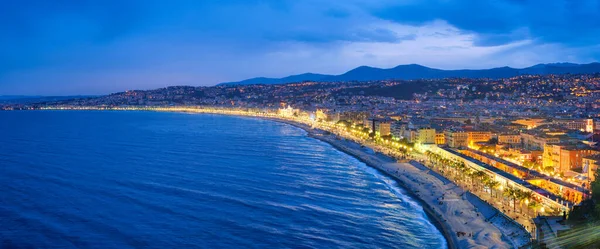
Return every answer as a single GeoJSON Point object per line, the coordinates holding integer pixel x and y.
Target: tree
{"type": "Point", "coordinates": [586, 216]}
{"type": "Point", "coordinates": [549, 169]}
{"type": "Point", "coordinates": [462, 169]}
{"type": "Point", "coordinates": [529, 164]}
{"type": "Point", "coordinates": [492, 185]}
{"type": "Point", "coordinates": [479, 176]}
{"type": "Point", "coordinates": [524, 195]}
{"type": "Point", "coordinates": [595, 186]}
{"type": "Point", "coordinates": [343, 123]}
{"type": "Point", "coordinates": [534, 205]}
{"type": "Point", "coordinates": [470, 174]}
{"type": "Point", "coordinates": [512, 194]}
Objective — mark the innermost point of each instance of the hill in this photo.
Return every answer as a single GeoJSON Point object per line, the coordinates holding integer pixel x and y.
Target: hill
{"type": "Point", "coordinates": [415, 71]}
{"type": "Point", "coordinates": [288, 79]}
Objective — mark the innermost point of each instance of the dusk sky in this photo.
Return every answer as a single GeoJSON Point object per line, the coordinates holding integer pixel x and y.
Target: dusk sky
{"type": "Point", "coordinates": [68, 47]}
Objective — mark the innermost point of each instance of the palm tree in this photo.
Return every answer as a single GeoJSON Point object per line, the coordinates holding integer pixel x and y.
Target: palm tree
{"type": "Point", "coordinates": [524, 195]}
{"type": "Point", "coordinates": [518, 197]}
{"type": "Point", "coordinates": [461, 168]}
{"type": "Point", "coordinates": [479, 175]}
{"type": "Point", "coordinates": [454, 166]}
{"type": "Point", "coordinates": [512, 193]}
{"type": "Point", "coordinates": [485, 181]}
{"type": "Point", "coordinates": [469, 173]}
{"type": "Point", "coordinates": [534, 205]}
{"type": "Point", "coordinates": [492, 185]}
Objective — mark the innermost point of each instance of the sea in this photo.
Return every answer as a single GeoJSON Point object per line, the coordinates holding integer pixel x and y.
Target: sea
{"type": "Point", "coordinates": [133, 179]}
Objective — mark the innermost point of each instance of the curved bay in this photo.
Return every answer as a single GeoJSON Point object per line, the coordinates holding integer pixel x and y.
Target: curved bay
{"type": "Point", "coordinates": [155, 180]}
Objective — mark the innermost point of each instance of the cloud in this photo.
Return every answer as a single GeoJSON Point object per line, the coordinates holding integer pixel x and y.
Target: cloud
{"type": "Point", "coordinates": [505, 21]}
{"type": "Point", "coordinates": [90, 47]}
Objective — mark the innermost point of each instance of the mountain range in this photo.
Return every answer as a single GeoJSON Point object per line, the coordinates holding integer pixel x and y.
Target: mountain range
{"type": "Point", "coordinates": [415, 71]}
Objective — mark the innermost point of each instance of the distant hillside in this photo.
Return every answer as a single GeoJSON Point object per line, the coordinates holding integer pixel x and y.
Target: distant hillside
{"type": "Point", "coordinates": [289, 79]}
{"type": "Point", "coordinates": [414, 71]}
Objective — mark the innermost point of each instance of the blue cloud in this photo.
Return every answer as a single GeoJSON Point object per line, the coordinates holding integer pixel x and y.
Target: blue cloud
{"type": "Point", "coordinates": [202, 42]}
{"type": "Point", "coordinates": [502, 21]}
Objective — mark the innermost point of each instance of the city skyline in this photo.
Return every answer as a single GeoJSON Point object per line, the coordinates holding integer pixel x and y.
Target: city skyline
{"type": "Point", "coordinates": [88, 48]}
{"type": "Point", "coordinates": [437, 124]}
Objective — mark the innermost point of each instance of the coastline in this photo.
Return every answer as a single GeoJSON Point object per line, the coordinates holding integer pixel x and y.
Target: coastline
{"type": "Point", "coordinates": [445, 230]}
{"type": "Point", "coordinates": [439, 220]}
{"type": "Point", "coordinates": [417, 182]}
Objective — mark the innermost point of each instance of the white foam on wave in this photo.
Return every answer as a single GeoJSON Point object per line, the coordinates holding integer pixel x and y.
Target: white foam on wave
{"type": "Point", "coordinates": [402, 195]}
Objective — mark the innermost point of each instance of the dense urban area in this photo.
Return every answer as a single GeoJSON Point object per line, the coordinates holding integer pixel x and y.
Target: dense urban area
{"type": "Point", "coordinates": [527, 145]}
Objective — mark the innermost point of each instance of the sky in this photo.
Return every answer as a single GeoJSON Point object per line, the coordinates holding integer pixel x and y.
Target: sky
{"type": "Point", "coordinates": [87, 47]}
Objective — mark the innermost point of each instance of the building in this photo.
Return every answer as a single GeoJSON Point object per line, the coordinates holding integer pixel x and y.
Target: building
{"type": "Point", "coordinates": [569, 159]}
{"type": "Point", "coordinates": [530, 123]}
{"type": "Point", "coordinates": [398, 128]}
{"type": "Point", "coordinates": [354, 117]}
{"type": "Point", "coordinates": [566, 157]}
{"type": "Point", "coordinates": [385, 128]}
{"type": "Point", "coordinates": [512, 139]}
{"type": "Point", "coordinates": [426, 136]}
{"type": "Point", "coordinates": [537, 142]}
{"type": "Point", "coordinates": [440, 138]}
{"type": "Point", "coordinates": [578, 124]}
{"type": "Point", "coordinates": [457, 138]}
{"type": "Point", "coordinates": [478, 136]}
{"type": "Point", "coordinates": [589, 125]}
{"type": "Point", "coordinates": [526, 155]}
{"type": "Point", "coordinates": [330, 116]}
{"type": "Point", "coordinates": [320, 115]}
{"type": "Point", "coordinates": [379, 126]}
{"type": "Point", "coordinates": [590, 166]}
{"type": "Point", "coordinates": [569, 191]}
{"type": "Point", "coordinates": [371, 123]}
{"type": "Point", "coordinates": [288, 112]}
{"type": "Point", "coordinates": [410, 135]}
{"type": "Point", "coordinates": [552, 202]}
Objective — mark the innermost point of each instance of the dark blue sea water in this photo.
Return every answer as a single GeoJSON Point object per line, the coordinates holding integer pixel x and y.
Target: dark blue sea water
{"type": "Point", "coordinates": [169, 180]}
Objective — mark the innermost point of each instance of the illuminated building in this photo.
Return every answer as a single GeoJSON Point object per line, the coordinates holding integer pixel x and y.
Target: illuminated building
{"type": "Point", "coordinates": [530, 123]}
{"type": "Point", "coordinates": [590, 165]}
{"type": "Point", "coordinates": [512, 139]}
{"type": "Point", "coordinates": [457, 138]}
{"type": "Point", "coordinates": [385, 128]}
{"type": "Point", "coordinates": [478, 136]}
{"type": "Point", "coordinates": [426, 136]}
{"type": "Point", "coordinates": [440, 138]}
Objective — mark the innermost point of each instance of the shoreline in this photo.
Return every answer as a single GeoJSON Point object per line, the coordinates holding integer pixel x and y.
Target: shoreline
{"type": "Point", "coordinates": [437, 219]}
{"type": "Point", "coordinates": [451, 241]}
{"type": "Point", "coordinates": [445, 230]}
{"type": "Point", "coordinates": [446, 219]}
